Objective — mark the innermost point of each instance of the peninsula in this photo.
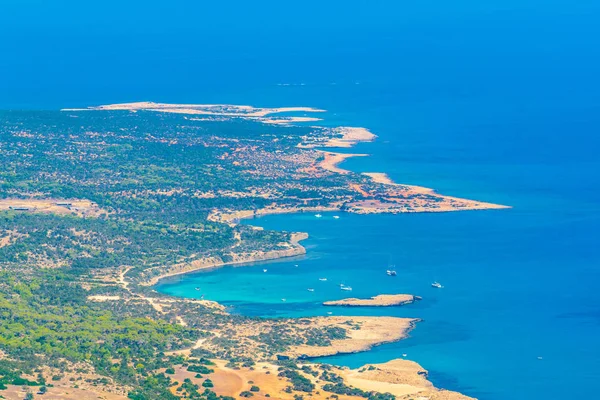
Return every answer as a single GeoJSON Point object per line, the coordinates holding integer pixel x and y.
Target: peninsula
{"type": "Point", "coordinates": [98, 204]}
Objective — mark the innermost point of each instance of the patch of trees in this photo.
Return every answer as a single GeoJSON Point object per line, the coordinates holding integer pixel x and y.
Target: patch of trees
{"type": "Point", "coordinates": [299, 382]}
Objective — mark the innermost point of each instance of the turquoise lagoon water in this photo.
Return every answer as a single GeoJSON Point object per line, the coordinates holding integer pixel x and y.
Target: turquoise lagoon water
{"type": "Point", "coordinates": [518, 284]}
{"type": "Point", "coordinates": [492, 100]}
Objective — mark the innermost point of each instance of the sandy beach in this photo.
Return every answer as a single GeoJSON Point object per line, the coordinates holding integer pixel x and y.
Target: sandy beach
{"type": "Point", "coordinates": [380, 177]}
{"type": "Point", "coordinates": [331, 161]}
{"type": "Point", "coordinates": [208, 263]}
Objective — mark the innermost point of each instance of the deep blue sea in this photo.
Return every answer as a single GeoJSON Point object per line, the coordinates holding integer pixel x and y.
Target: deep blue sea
{"type": "Point", "coordinates": [496, 101]}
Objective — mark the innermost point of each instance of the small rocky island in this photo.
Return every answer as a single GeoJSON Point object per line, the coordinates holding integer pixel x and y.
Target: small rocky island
{"type": "Point", "coordinates": [382, 300]}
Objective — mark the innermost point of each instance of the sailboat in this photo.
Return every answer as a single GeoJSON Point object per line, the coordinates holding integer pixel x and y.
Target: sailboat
{"type": "Point", "coordinates": [391, 271]}
{"type": "Point", "coordinates": [346, 288]}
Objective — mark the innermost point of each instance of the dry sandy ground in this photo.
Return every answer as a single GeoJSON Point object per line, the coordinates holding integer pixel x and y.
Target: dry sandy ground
{"type": "Point", "coordinates": [64, 389]}
{"type": "Point", "coordinates": [402, 378]}
{"type": "Point", "coordinates": [401, 204]}
{"type": "Point", "coordinates": [61, 393]}
{"type": "Point", "coordinates": [401, 198]}
{"type": "Point", "coordinates": [373, 331]}
{"type": "Point", "coordinates": [7, 237]}
{"type": "Point", "coordinates": [399, 377]}
{"type": "Point", "coordinates": [79, 207]}
{"type": "Point", "coordinates": [231, 382]}
{"type": "Point", "coordinates": [380, 177]}
{"type": "Point", "coordinates": [382, 300]}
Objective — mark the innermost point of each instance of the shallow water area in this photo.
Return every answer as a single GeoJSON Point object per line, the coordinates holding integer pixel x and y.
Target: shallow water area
{"type": "Point", "coordinates": [486, 319]}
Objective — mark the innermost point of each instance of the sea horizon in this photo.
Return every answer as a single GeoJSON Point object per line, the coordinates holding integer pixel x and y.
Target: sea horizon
{"type": "Point", "coordinates": [495, 101]}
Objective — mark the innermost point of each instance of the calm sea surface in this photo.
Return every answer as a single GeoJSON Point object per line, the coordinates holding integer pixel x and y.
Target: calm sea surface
{"type": "Point", "coordinates": [518, 284]}
{"type": "Point", "coordinates": [495, 100]}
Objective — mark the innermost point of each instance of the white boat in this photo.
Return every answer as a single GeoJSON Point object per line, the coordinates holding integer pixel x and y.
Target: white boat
{"type": "Point", "coordinates": [437, 285]}
{"type": "Point", "coordinates": [347, 288]}
{"type": "Point", "coordinates": [323, 279]}
{"type": "Point", "coordinates": [265, 270]}
{"type": "Point", "coordinates": [391, 272]}
{"type": "Point", "coordinates": [336, 217]}
{"type": "Point", "coordinates": [197, 288]}
{"type": "Point", "coordinates": [318, 215]}
{"type": "Point", "coordinates": [310, 289]}
{"type": "Point", "coordinates": [282, 299]}
{"type": "Point", "coordinates": [295, 265]}
{"type": "Point", "coordinates": [329, 313]}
